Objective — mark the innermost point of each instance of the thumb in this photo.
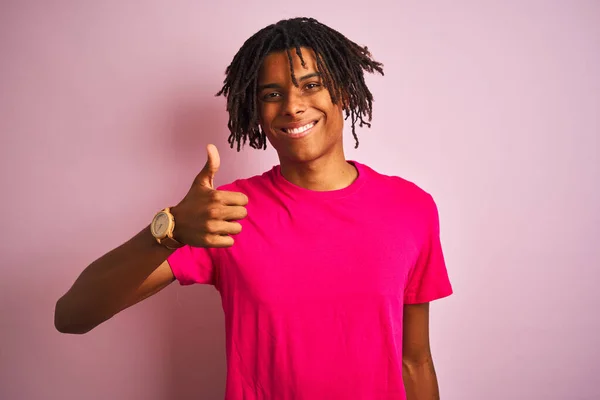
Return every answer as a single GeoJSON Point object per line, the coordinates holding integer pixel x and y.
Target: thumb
{"type": "Point", "coordinates": [207, 175]}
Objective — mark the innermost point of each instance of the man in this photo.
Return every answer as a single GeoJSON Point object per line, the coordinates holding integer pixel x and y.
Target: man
{"type": "Point", "coordinates": [326, 287]}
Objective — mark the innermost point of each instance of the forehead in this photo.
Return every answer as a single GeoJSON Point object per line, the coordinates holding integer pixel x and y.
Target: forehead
{"type": "Point", "coordinates": [276, 66]}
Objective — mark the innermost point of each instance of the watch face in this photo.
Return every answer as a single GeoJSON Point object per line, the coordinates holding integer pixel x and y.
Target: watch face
{"type": "Point", "coordinates": [160, 225]}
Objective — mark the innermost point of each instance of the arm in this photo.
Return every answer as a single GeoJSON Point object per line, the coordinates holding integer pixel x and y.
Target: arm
{"type": "Point", "coordinates": [418, 373]}
{"type": "Point", "coordinates": [126, 275]}
{"type": "Point", "coordinates": [138, 268]}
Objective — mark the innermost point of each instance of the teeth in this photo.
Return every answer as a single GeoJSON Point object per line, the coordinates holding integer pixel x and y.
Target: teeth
{"type": "Point", "coordinates": [296, 131]}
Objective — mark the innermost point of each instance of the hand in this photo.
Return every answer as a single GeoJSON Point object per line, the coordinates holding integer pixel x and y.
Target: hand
{"type": "Point", "coordinates": [206, 217]}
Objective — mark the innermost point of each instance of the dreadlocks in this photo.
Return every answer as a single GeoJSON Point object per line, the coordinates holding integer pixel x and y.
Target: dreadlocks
{"type": "Point", "coordinates": [340, 61]}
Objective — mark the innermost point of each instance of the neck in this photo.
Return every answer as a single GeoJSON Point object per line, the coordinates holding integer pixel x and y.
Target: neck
{"type": "Point", "coordinates": [322, 174]}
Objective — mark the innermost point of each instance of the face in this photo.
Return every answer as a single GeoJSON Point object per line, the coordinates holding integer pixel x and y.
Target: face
{"type": "Point", "coordinates": [301, 123]}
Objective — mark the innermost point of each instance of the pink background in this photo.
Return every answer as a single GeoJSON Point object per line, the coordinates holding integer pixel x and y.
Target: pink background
{"type": "Point", "coordinates": [492, 106]}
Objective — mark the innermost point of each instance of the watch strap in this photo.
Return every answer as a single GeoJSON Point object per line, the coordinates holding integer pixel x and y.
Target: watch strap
{"type": "Point", "coordinates": [170, 243]}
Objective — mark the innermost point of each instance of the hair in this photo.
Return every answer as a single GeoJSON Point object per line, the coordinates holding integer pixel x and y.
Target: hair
{"type": "Point", "coordinates": [340, 61]}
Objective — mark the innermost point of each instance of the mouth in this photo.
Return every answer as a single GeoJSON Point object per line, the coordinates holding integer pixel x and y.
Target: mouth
{"type": "Point", "coordinates": [300, 131]}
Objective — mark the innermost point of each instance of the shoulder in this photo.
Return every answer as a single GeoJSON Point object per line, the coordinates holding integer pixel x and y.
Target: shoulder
{"type": "Point", "coordinates": [395, 187]}
{"type": "Point", "coordinates": [417, 204]}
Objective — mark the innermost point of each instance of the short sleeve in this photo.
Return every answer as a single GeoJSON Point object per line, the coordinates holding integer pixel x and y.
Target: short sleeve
{"type": "Point", "coordinates": [428, 280]}
{"type": "Point", "coordinates": [193, 265]}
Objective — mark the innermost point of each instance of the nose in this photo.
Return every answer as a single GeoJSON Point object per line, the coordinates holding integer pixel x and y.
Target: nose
{"type": "Point", "coordinates": [294, 103]}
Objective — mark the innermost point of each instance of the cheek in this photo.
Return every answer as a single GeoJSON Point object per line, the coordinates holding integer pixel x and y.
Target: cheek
{"type": "Point", "coordinates": [335, 117]}
{"type": "Point", "coordinates": [334, 112]}
{"type": "Point", "coordinates": [266, 113]}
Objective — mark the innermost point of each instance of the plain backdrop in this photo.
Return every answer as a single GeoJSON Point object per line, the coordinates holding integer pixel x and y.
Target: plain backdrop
{"type": "Point", "coordinates": [491, 106]}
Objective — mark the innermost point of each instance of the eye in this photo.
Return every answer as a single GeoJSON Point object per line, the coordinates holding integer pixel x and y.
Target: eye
{"type": "Point", "coordinates": [312, 85]}
{"type": "Point", "coordinates": [271, 96]}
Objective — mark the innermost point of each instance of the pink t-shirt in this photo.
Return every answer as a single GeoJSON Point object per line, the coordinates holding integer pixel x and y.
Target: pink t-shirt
{"type": "Point", "coordinates": [314, 287]}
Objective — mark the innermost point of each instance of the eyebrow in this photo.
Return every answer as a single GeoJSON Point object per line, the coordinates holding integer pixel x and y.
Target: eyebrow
{"type": "Point", "coordinates": [277, 86]}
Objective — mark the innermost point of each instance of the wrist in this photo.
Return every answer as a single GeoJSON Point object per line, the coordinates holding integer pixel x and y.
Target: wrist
{"type": "Point", "coordinates": [163, 227]}
{"type": "Point", "coordinates": [175, 234]}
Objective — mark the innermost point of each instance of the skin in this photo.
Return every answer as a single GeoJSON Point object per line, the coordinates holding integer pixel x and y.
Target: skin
{"type": "Point", "coordinates": [128, 274]}
{"type": "Point", "coordinates": [418, 371]}
{"type": "Point", "coordinates": [317, 162]}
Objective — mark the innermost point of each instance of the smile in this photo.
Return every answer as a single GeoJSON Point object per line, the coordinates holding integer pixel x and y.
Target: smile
{"type": "Point", "coordinates": [299, 132]}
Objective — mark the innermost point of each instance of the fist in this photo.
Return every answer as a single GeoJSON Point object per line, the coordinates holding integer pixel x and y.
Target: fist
{"type": "Point", "coordinates": [207, 217]}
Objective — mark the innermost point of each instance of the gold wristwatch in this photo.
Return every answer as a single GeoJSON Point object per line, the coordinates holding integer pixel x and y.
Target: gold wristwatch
{"type": "Point", "coordinates": [162, 228]}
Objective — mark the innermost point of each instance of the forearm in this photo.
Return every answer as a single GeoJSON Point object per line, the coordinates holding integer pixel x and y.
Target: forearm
{"type": "Point", "coordinates": [106, 285]}
{"type": "Point", "coordinates": [420, 381]}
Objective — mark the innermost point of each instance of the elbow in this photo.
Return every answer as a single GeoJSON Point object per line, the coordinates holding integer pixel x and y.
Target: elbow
{"type": "Point", "coordinates": [415, 365]}
{"type": "Point", "coordinates": [64, 321]}
{"type": "Point", "coordinates": [424, 359]}
{"type": "Point", "coordinates": [415, 370]}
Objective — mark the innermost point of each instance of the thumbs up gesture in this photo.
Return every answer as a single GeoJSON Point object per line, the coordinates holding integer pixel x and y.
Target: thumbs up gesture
{"type": "Point", "coordinates": [207, 217]}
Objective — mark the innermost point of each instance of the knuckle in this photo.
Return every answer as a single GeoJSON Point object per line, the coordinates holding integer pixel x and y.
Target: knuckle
{"type": "Point", "coordinates": [209, 240]}
{"type": "Point", "coordinates": [213, 213]}
{"type": "Point", "coordinates": [216, 196]}
{"type": "Point", "coordinates": [202, 240]}
{"type": "Point", "coordinates": [211, 226]}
